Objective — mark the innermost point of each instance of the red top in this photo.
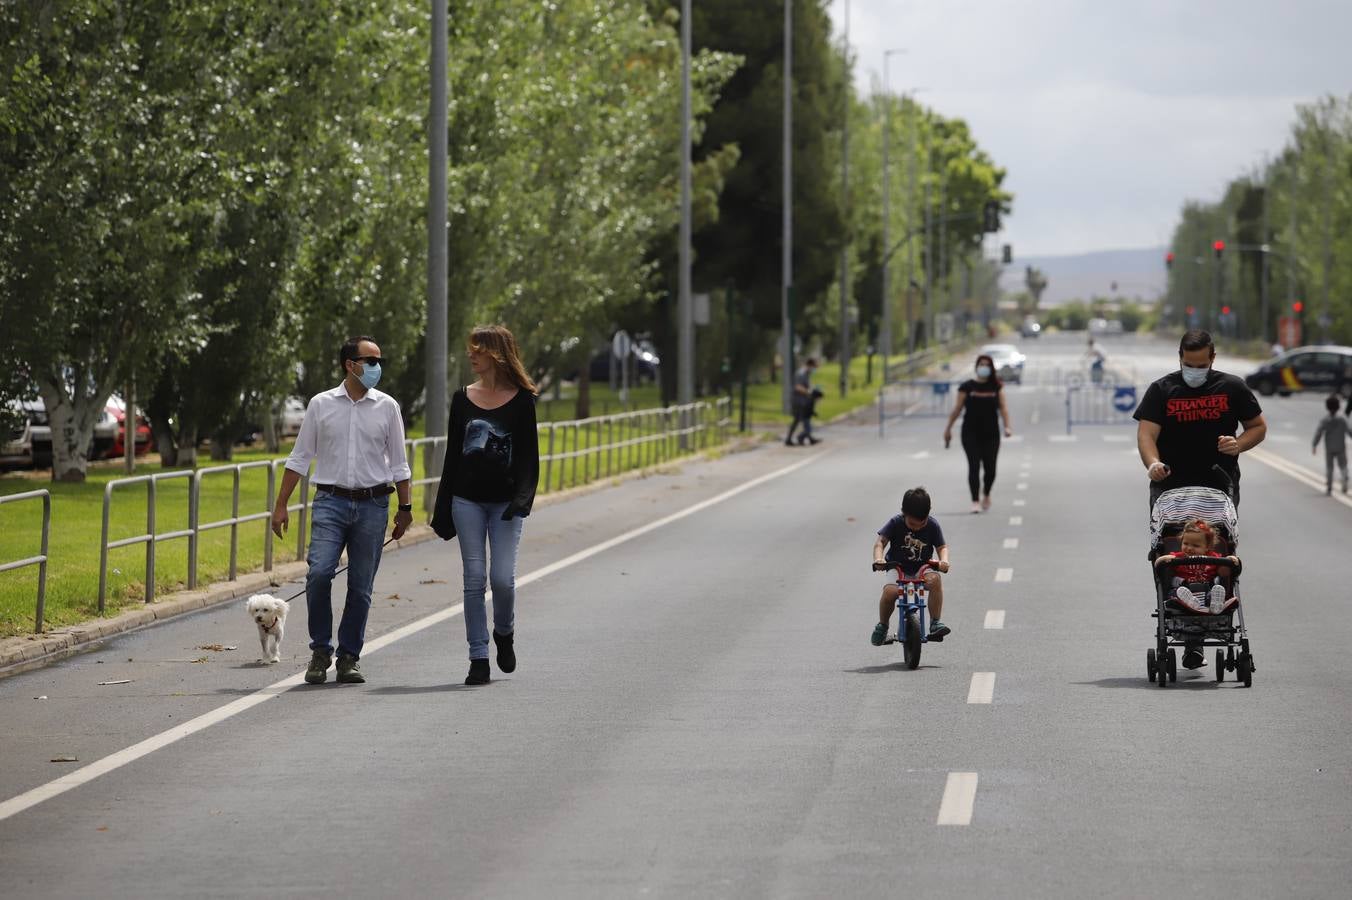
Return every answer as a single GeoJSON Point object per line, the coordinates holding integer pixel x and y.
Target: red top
{"type": "Point", "coordinates": [1198, 572]}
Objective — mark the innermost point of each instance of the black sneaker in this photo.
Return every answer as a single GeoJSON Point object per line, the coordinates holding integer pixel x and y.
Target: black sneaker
{"type": "Point", "coordinates": [478, 672]}
{"type": "Point", "coordinates": [938, 631]}
{"type": "Point", "coordinates": [1193, 658]}
{"type": "Point", "coordinates": [879, 636]}
{"type": "Point", "coordinates": [318, 672]}
{"type": "Point", "coordinates": [506, 653]}
{"type": "Point", "coordinates": [349, 670]}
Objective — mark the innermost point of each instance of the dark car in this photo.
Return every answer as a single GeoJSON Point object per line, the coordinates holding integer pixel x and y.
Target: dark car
{"type": "Point", "coordinates": [1325, 369]}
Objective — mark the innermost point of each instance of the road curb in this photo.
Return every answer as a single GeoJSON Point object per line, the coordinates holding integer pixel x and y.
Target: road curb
{"type": "Point", "coordinates": [28, 652]}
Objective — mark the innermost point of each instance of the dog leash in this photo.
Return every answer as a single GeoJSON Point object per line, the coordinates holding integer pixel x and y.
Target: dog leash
{"type": "Point", "coordinates": [335, 574]}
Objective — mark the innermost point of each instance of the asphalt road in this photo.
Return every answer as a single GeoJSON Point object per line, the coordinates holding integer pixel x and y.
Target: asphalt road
{"type": "Point", "coordinates": [698, 710]}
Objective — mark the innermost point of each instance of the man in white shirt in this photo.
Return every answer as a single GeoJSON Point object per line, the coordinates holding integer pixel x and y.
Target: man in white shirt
{"type": "Point", "coordinates": [355, 436]}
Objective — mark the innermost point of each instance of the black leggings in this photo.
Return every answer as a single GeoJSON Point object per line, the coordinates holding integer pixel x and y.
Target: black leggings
{"type": "Point", "coordinates": [981, 452]}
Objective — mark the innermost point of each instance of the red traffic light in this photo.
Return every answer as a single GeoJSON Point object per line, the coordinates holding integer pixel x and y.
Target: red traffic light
{"type": "Point", "coordinates": [1169, 260]}
{"type": "Point", "coordinates": [1297, 307]}
{"type": "Point", "coordinates": [1225, 310]}
{"type": "Point", "coordinates": [1191, 310]}
{"type": "Point", "coordinates": [1219, 247]}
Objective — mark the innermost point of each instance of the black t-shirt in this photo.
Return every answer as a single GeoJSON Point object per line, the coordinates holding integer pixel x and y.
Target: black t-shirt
{"type": "Point", "coordinates": [1191, 420]}
{"type": "Point", "coordinates": [911, 549]}
{"type": "Point", "coordinates": [497, 455]}
{"type": "Point", "coordinates": [981, 412]}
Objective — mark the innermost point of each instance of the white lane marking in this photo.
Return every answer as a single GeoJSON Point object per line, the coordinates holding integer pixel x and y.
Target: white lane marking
{"type": "Point", "coordinates": [959, 798]}
{"type": "Point", "coordinates": [1283, 438]}
{"type": "Point", "coordinates": [1011, 543]}
{"type": "Point", "coordinates": [1036, 416]}
{"type": "Point", "coordinates": [1022, 486]}
{"type": "Point", "coordinates": [982, 689]}
{"type": "Point", "coordinates": [1118, 438]}
{"type": "Point", "coordinates": [1298, 472]}
{"type": "Point", "coordinates": [15, 805]}
{"type": "Point", "coordinates": [995, 619]}
{"type": "Point", "coordinates": [1005, 574]}
{"type": "Point", "coordinates": [923, 454]}
{"type": "Point", "coordinates": [1020, 502]}
{"type": "Point", "coordinates": [1063, 438]}
{"type": "Point", "coordinates": [1016, 520]}
{"type": "Point", "coordinates": [1016, 439]}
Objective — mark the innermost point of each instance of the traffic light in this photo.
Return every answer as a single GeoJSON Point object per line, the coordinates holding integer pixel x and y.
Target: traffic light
{"type": "Point", "coordinates": [1169, 260]}
{"type": "Point", "coordinates": [1297, 307]}
{"type": "Point", "coordinates": [1225, 310]}
{"type": "Point", "coordinates": [1191, 310]}
{"type": "Point", "coordinates": [990, 218]}
{"type": "Point", "coordinates": [1219, 247]}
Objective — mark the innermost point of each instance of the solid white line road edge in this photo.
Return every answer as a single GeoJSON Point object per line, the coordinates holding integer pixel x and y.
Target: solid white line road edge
{"type": "Point", "coordinates": [85, 774]}
{"type": "Point", "coordinates": [959, 798]}
{"type": "Point", "coordinates": [982, 689]}
{"type": "Point", "coordinates": [1298, 472]}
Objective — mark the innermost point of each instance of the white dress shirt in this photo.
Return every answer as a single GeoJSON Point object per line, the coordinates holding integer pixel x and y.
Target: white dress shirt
{"type": "Point", "coordinates": [355, 444]}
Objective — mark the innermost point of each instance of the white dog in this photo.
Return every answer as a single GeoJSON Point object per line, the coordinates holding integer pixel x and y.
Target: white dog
{"type": "Point", "coordinates": [269, 613]}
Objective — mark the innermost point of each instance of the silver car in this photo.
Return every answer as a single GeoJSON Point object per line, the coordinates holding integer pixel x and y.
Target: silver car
{"type": "Point", "coordinates": [1008, 361]}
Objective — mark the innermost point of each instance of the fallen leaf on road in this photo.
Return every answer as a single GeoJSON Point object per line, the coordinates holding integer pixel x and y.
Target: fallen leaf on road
{"type": "Point", "coordinates": [64, 759]}
{"type": "Point", "coordinates": [102, 828]}
{"type": "Point", "coordinates": [393, 597]}
{"type": "Point", "coordinates": [118, 681]}
{"type": "Point", "coordinates": [200, 659]}
{"type": "Point", "coordinates": [432, 581]}
{"type": "Point", "coordinates": [216, 647]}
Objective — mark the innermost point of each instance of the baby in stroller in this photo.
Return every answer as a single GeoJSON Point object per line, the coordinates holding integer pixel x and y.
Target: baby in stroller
{"type": "Point", "coordinates": [1194, 534]}
{"type": "Point", "coordinates": [1198, 539]}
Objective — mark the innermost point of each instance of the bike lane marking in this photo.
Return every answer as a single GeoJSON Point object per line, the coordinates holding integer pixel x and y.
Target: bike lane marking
{"type": "Point", "coordinates": [959, 798]}
{"type": "Point", "coordinates": [982, 689]}
{"type": "Point", "coordinates": [85, 774]}
{"type": "Point", "coordinates": [995, 619]}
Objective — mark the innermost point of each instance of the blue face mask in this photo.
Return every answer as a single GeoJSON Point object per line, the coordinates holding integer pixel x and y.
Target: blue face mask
{"type": "Point", "coordinates": [370, 375]}
{"type": "Point", "coordinates": [1195, 378]}
{"type": "Point", "coordinates": [983, 371]}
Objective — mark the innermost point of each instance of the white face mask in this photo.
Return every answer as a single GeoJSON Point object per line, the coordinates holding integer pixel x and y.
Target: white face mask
{"type": "Point", "coordinates": [983, 371]}
{"type": "Point", "coordinates": [1194, 377]}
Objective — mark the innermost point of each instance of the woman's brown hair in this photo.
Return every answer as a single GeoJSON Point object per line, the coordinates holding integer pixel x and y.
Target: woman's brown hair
{"type": "Point", "coordinates": [498, 342]}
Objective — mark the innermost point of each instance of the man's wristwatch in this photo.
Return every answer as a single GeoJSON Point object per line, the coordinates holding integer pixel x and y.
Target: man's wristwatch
{"type": "Point", "coordinates": [406, 507]}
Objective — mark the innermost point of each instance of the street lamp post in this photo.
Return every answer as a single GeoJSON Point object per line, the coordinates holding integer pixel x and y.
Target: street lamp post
{"type": "Point", "coordinates": [437, 228]}
{"type": "Point", "coordinates": [845, 214]}
{"type": "Point", "coordinates": [910, 211]}
{"type": "Point", "coordinates": [887, 214]}
{"type": "Point", "coordinates": [786, 292]}
{"type": "Point", "coordinates": [685, 382]}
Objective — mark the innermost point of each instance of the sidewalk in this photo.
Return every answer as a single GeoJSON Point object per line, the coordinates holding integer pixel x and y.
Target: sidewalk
{"type": "Point", "coordinates": [27, 652]}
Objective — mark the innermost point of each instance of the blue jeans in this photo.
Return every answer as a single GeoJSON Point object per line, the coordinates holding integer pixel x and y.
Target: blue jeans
{"type": "Point", "coordinates": [358, 525]}
{"type": "Point", "coordinates": [477, 525]}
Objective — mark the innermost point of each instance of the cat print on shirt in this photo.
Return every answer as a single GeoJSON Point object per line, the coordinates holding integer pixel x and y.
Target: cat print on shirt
{"type": "Point", "coordinates": [485, 441]}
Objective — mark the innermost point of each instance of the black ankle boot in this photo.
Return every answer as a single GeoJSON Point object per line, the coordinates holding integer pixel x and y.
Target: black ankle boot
{"type": "Point", "coordinates": [478, 672]}
{"type": "Point", "coordinates": [506, 654]}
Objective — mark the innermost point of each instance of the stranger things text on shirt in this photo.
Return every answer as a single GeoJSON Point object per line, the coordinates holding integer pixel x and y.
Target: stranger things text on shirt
{"type": "Point", "coordinates": [1197, 409]}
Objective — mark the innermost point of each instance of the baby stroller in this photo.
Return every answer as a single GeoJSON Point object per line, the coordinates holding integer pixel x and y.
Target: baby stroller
{"type": "Point", "coordinates": [1178, 625]}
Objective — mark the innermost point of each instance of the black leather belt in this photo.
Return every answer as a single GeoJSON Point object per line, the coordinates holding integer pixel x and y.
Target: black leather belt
{"type": "Point", "coordinates": [370, 493]}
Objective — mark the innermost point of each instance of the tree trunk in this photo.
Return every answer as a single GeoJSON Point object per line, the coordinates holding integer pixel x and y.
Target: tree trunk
{"type": "Point", "coordinates": [72, 424]}
{"type": "Point", "coordinates": [221, 450]}
{"type": "Point", "coordinates": [187, 446]}
{"type": "Point", "coordinates": [272, 440]}
{"type": "Point", "coordinates": [164, 442]}
{"type": "Point", "coordinates": [583, 407]}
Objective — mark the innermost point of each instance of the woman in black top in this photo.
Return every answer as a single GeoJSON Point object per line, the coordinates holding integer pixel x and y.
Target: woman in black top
{"type": "Point", "coordinates": [982, 398]}
{"type": "Point", "coordinates": [488, 486]}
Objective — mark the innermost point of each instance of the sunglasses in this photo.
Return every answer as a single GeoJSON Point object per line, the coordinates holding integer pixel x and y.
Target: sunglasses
{"type": "Point", "coordinates": [367, 360]}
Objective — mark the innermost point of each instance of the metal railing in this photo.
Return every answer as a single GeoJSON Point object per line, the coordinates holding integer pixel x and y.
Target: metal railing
{"type": "Point", "coordinates": [1100, 404]}
{"type": "Point", "coordinates": [41, 559]}
{"type": "Point", "coordinates": [914, 399]}
{"type": "Point", "coordinates": [601, 446]}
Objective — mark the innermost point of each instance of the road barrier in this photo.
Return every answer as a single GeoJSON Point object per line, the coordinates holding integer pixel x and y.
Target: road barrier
{"type": "Point", "coordinates": [41, 559]}
{"type": "Point", "coordinates": [914, 399]}
{"type": "Point", "coordinates": [601, 446]}
{"type": "Point", "coordinates": [1100, 404]}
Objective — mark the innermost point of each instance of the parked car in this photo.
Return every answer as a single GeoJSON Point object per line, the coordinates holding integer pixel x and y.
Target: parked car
{"type": "Point", "coordinates": [1031, 328]}
{"type": "Point", "coordinates": [1325, 368]}
{"type": "Point", "coordinates": [117, 410]}
{"type": "Point", "coordinates": [16, 451]}
{"type": "Point", "coordinates": [644, 368]}
{"type": "Point", "coordinates": [1008, 361]}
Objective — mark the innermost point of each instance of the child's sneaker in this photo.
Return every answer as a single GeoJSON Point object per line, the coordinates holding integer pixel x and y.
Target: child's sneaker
{"type": "Point", "coordinates": [1185, 597]}
{"type": "Point", "coordinates": [1216, 600]}
{"type": "Point", "coordinates": [938, 630]}
{"type": "Point", "coordinates": [879, 634]}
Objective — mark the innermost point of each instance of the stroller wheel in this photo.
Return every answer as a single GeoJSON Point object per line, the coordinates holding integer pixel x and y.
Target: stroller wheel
{"type": "Point", "coordinates": [1244, 670]}
{"type": "Point", "coordinates": [1173, 665]}
{"type": "Point", "coordinates": [1150, 668]}
{"type": "Point", "coordinates": [1220, 666]}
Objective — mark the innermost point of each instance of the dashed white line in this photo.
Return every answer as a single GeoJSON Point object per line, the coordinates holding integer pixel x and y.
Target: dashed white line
{"type": "Point", "coordinates": [1063, 438]}
{"type": "Point", "coordinates": [1011, 543]}
{"type": "Point", "coordinates": [1016, 520]}
{"type": "Point", "coordinates": [1020, 502]}
{"type": "Point", "coordinates": [959, 798]}
{"type": "Point", "coordinates": [1022, 486]}
{"type": "Point", "coordinates": [982, 689]}
{"type": "Point", "coordinates": [995, 619]}
{"type": "Point", "coordinates": [1118, 438]}
{"type": "Point", "coordinates": [923, 454]}
{"type": "Point", "coordinates": [1004, 574]}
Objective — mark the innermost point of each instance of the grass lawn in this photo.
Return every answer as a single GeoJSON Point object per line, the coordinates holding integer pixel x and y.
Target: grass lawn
{"type": "Point", "coordinates": [77, 517]}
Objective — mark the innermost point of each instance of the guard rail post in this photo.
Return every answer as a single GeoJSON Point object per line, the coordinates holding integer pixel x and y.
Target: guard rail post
{"type": "Point", "coordinates": [41, 559]}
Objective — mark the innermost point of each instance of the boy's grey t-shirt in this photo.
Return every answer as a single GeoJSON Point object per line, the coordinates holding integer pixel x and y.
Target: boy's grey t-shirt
{"type": "Point", "coordinates": [911, 549]}
{"type": "Point", "coordinates": [1333, 429]}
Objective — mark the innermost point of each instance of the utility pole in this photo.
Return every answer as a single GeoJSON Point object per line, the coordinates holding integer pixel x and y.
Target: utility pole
{"type": "Point", "coordinates": [887, 215]}
{"type": "Point", "coordinates": [786, 294]}
{"type": "Point", "coordinates": [910, 211]}
{"type": "Point", "coordinates": [929, 268]}
{"type": "Point", "coordinates": [845, 214]}
{"type": "Point", "coordinates": [1263, 268]}
{"type": "Point", "coordinates": [943, 238]}
{"type": "Point", "coordinates": [1328, 245]}
{"type": "Point", "coordinates": [685, 380]}
{"type": "Point", "coordinates": [437, 237]}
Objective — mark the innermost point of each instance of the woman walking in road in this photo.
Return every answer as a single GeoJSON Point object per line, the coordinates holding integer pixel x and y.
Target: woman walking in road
{"type": "Point", "coordinates": [488, 486]}
{"type": "Point", "coordinates": [979, 401]}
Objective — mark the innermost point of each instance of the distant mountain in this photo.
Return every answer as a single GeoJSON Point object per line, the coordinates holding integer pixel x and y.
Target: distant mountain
{"type": "Point", "coordinates": [1137, 273]}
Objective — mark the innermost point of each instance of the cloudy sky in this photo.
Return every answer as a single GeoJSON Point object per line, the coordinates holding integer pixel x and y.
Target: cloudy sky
{"type": "Point", "coordinates": [1109, 115]}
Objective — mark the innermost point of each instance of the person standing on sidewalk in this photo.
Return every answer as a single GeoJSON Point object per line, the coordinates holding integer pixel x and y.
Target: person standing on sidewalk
{"type": "Point", "coordinates": [802, 403]}
{"type": "Point", "coordinates": [355, 435]}
{"type": "Point", "coordinates": [488, 487]}
{"type": "Point", "coordinates": [982, 398]}
{"type": "Point", "coordinates": [1334, 429]}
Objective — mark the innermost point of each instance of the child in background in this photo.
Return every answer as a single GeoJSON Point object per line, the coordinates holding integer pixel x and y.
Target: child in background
{"type": "Point", "coordinates": [1334, 429]}
{"type": "Point", "coordinates": [1199, 539]}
